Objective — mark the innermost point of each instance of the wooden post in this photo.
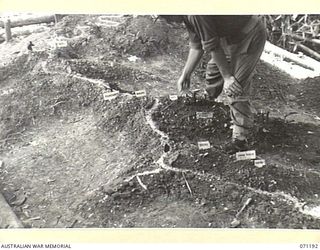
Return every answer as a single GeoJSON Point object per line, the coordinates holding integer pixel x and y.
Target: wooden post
{"type": "Point", "coordinates": [55, 19]}
{"type": "Point", "coordinates": [7, 25]}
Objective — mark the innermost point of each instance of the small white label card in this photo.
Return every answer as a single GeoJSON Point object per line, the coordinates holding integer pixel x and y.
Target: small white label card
{"type": "Point", "coordinates": [259, 163]}
{"type": "Point", "coordinates": [204, 145]}
{"type": "Point", "coordinates": [38, 49]}
{"type": "Point", "coordinates": [108, 20]}
{"type": "Point", "coordinates": [173, 97]}
{"type": "Point", "coordinates": [140, 93]}
{"type": "Point", "coordinates": [246, 155]}
{"type": "Point", "coordinates": [61, 43]}
{"type": "Point", "coordinates": [104, 18]}
{"type": "Point", "coordinates": [204, 115]}
{"type": "Point", "coordinates": [110, 95]}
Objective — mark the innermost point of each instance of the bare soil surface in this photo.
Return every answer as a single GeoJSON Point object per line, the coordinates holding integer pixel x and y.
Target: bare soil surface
{"type": "Point", "coordinates": [72, 159]}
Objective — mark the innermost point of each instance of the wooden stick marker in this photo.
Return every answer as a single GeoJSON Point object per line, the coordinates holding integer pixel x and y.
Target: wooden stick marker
{"type": "Point", "coordinates": [259, 163]}
{"type": "Point", "coordinates": [246, 155]}
{"type": "Point", "coordinates": [61, 42]}
{"type": "Point", "coordinates": [204, 115]}
{"type": "Point", "coordinates": [204, 145]}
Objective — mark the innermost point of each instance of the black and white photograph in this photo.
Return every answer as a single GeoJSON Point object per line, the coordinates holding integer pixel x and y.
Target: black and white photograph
{"type": "Point", "coordinates": [159, 121]}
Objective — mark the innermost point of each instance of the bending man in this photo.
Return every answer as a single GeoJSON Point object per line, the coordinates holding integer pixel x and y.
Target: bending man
{"type": "Point", "coordinates": [235, 44]}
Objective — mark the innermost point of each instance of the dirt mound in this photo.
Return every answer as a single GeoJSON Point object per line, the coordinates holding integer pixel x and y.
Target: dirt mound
{"type": "Point", "coordinates": [209, 184]}
{"type": "Point", "coordinates": [140, 36]}
{"type": "Point", "coordinates": [29, 100]}
{"type": "Point", "coordinates": [179, 120]}
{"type": "Point", "coordinates": [212, 203]}
{"type": "Point", "coordinates": [143, 37]}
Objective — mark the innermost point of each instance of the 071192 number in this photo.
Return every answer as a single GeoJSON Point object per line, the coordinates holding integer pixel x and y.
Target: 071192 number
{"type": "Point", "coordinates": [309, 246]}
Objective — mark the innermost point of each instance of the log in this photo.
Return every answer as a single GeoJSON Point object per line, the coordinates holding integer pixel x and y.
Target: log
{"type": "Point", "coordinates": [302, 67]}
{"type": "Point", "coordinates": [300, 38]}
{"type": "Point", "coordinates": [307, 61]}
{"type": "Point", "coordinates": [18, 31]}
{"type": "Point", "coordinates": [308, 50]}
{"type": "Point", "coordinates": [30, 21]}
{"type": "Point", "coordinates": [7, 26]}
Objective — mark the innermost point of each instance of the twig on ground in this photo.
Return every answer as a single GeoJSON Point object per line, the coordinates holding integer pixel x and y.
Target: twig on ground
{"type": "Point", "coordinates": [32, 219]}
{"type": "Point", "coordinates": [167, 107]}
{"type": "Point", "coordinates": [82, 118]}
{"type": "Point", "coordinates": [57, 103]}
{"type": "Point", "coordinates": [225, 112]}
{"type": "Point", "coordinates": [19, 202]}
{"type": "Point", "coordinates": [188, 186]}
{"type": "Point", "coordinates": [16, 133]}
{"type": "Point", "coordinates": [291, 113]}
{"type": "Point", "coordinates": [73, 224]}
{"type": "Point", "coordinates": [244, 207]}
{"type": "Point", "coordinates": [58, 219]}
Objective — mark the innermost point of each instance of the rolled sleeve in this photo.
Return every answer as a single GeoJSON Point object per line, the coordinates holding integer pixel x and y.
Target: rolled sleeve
{"type": "Point", "coordinates": [211, 44]}
{"type": "Point", "coordinates": [194, 39]}
{"type": "Point", "coordinates": [202, 33]}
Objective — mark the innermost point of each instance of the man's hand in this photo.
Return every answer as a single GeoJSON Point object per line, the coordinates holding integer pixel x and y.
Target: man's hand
{"type": "Point", "coordinates": [183, 85]}
{"type": "Point", "coordinates": [232, 87]}
{"type": "Point", "coordinates": [193, 59]}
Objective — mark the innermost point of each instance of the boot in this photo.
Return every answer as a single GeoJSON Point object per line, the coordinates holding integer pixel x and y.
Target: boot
{"type": "Point", "coordinates": [236, 146]}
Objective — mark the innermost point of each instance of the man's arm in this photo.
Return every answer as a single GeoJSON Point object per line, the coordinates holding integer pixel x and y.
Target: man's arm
{"type": "Point", "coordinates": [193, 59]}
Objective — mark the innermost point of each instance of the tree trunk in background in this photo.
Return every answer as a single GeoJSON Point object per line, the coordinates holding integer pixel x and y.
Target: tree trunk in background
{"type": "Point", "coordinates": [25, 32]}
{"type": "Point", "coordinates": [7, 26]}
{"type": "Point", "coordinates": [30, 21]}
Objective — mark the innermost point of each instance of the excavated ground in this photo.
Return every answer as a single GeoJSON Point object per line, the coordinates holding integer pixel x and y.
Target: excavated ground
{"type": "Point", "coordinates": [72, 159]}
